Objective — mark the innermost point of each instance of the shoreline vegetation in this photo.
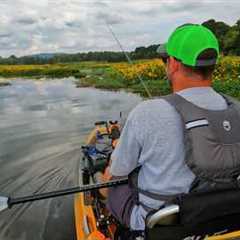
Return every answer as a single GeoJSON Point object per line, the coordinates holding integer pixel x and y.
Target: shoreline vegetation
{"type": "Point", "coordinates": [4, 83]}
{"type": "Point", "coordinates": [123, 76]}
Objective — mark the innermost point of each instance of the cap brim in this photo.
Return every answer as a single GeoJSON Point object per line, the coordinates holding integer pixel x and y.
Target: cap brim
{"type": "Point", "coordinates": [162, 50]}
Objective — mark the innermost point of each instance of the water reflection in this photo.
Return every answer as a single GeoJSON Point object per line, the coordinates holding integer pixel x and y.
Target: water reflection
{"type": "Point", "coordinates": [42, 127]}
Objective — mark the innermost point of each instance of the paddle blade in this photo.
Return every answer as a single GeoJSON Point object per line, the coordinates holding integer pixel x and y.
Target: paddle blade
{"type": "Point", "coordinates": [3, 203]}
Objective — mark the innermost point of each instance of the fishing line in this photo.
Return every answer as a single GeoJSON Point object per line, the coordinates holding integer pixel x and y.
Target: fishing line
{"type": "Point", "coordinates": [127, 57]}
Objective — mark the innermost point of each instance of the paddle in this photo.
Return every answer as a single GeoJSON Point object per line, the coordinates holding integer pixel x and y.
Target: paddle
{"type": "Point", "coordinates": [8, 202]}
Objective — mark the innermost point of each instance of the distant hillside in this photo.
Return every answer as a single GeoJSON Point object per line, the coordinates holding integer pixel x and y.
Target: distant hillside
{"type": "Point", "coordinates": [45, 56]}
{"type": "Point", "coordinates": [108, 56]}
{"type": "Point", "coordinates": [229, 39]}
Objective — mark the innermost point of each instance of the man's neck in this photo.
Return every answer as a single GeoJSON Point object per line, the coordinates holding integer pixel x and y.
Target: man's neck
{"type": "Point", "coordinates": [182, 84]}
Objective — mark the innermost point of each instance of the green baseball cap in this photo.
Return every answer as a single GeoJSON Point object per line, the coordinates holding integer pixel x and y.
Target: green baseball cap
{"type": "Point", "coordinates": [187, 42]}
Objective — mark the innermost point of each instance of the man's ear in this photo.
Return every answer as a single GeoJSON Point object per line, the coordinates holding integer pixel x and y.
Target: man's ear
{"type": "Point", "coordinates": [173, 64]}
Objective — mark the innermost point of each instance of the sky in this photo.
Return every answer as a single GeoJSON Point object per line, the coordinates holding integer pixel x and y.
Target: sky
{"type": "Point", "coordinates": [49, 26]}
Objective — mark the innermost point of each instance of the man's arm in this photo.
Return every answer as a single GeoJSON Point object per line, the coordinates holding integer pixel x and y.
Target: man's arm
{"type": "Point", "coordinates": [125, 157]}
{"type": "Point", "coordinates": [126, 154]}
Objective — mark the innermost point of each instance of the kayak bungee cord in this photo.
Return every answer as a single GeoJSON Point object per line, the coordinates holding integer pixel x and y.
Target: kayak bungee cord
{"type": "Point", "coordinates": [8, 202]}
{"type": "Point", "coordinates": [127, 57]}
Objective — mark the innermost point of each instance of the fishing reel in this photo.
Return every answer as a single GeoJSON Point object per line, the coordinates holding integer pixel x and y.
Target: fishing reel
{"type": "Point", "coordinates": [113, 131]}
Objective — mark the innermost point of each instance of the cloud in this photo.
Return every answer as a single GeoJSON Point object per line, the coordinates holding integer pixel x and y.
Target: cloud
{"type": "Point", "coordinates": [29, 27]}
{"type": "Point", "coordinates": [26, 21]}
{"type": "Point", "coordinates": [5, 35]}
{"type": "Point", "coordinates": [73, 24]}
{"type": "Point", "coordinates": [110, 18]}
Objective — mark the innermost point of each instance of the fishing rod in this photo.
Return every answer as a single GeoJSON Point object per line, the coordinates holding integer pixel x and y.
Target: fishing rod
{"type": "Point", "coordinates": [127, 57]}
{"type": "Point", "coordinates": [8, 202]}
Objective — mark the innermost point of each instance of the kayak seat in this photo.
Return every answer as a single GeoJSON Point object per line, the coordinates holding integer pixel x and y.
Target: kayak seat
{"type": "Point", "coordinates": [196, 215]}
{"type": "Point", "coordinates": [165, 216]}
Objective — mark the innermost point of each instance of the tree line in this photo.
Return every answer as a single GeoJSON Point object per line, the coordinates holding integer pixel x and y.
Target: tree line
{"type": "Point", "coordinates": [106, 56]}
{"type": "Point", "coordinates": [228, 36]}
{"type": "Point", "coordinates": [229, 40]}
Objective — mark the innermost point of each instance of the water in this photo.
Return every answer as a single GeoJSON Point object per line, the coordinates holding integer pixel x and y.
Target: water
{"type": "Point", "coordinates": [42, 126]}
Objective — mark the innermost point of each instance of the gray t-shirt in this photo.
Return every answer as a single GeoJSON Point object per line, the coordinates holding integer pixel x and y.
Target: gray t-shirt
{"type": "Point", "coordinates": [153, 138]}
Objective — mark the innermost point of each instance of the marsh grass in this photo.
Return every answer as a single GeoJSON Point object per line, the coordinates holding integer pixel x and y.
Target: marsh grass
{"type": "Point", "coordinates": [117, 76]}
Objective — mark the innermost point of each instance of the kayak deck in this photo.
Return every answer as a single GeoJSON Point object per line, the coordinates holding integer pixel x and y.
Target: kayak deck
{"type": "Point", "coordinates": [228, 236]}
{"type": "Point", "coordinates": [86, 220]}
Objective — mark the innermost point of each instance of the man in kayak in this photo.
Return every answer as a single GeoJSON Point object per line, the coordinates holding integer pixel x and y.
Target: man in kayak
{"type": "Point", "coordinates": [153, 139]}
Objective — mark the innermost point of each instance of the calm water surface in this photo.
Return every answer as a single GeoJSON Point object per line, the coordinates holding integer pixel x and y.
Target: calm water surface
{"type": "Point", "coordinates": [42, 126]}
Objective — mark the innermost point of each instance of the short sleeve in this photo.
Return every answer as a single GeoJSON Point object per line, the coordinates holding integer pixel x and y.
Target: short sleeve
{"type": "Point", "coordinates": [126, 154]}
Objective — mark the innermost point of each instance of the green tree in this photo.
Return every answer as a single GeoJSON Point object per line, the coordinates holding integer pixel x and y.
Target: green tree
{"type": "Point", "coordinates": [220, 29]}
{"type": "Point", "coordinates": [237, 42]}
{"type": "Point", "coordinates": [230, 41]}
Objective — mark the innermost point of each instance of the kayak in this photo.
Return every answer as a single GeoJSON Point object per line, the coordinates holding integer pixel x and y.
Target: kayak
{"type": "Point", "coordinates": [92, 219]}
